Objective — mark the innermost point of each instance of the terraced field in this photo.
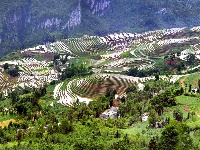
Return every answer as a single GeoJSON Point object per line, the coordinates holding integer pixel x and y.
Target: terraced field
{"type": "Point", "coordinates": [86, 45]}
{"type": "Point", "coordinates": [114, 53]}
{"type": "Point", "coordinates": [96, 85]}
{"type": "Point", "coordinates": [32, 73]}
{"type": "Point", "coordinates": [127, 63]}
{"type": "Point", "coordinates": [93, 86]}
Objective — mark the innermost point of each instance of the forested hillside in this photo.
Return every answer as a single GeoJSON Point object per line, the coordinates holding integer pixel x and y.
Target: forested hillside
{"type": "Point", "coordinates": [26, 23]}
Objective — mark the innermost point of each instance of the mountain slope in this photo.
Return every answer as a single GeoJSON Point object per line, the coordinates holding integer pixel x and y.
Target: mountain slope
{"type": "Point", "coordinates": [26, 23]}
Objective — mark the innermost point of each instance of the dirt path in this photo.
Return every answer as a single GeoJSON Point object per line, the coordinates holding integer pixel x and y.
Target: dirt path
{"type": "Point", "coordinates": [5, 123]}
{"type": "Point", "coordinates": [186, 108]}
{"type": "Point", "coordinates": [182, 81]}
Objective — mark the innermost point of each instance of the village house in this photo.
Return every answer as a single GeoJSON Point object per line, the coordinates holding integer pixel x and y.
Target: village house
{"type": "Point", "coordinates": [195, 90]}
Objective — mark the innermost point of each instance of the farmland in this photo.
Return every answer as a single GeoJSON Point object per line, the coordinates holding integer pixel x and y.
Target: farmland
{"type": "Point", "coordinates": [123, 87]}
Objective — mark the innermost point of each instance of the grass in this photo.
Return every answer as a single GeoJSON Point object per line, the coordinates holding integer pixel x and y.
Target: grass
{"type": "Point", "coordinates": [81, 60]}
{"type": "Point", "coordinates": [192, 79]}
{"type": "Point", "coordinates": [103, 52]}
{"type": "Point", "coordinates": [12, 145]}
{"type": "Point", "coordinates": [42, 69]}
{"type": "Point", "coordinates": [113, 69]}
{"type": "Point", "coordinates": [11, 56]}
{"type": "Point", "coordinates": [64, 86]}
{"type": "Point", "coordinates": [193, 103]}
{"type": "Point", "coordinates": [185, 104]}
{"type": "Point", "coordinates": [8, 145]}
{"type": "Point", "coordinates": [187, 100]}
{"type": "Point", "coordinates": [127, 54]}
{"type": "Point", "coordinates": [105, 62]}
{"type": "Point", "coordinates": [6, 122]}
{"type": "Point", "coordinates": [39, 58]}
{"type": "Point", "coordinates": [5, 117]}
{"type": "Point", "coordinates": [140, 131]}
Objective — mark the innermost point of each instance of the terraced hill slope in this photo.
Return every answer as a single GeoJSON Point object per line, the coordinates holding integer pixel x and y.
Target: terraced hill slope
{"type": "Point", "coordinates": [26, 23]}
{"type": "Point", "coordinates": [113, 53]}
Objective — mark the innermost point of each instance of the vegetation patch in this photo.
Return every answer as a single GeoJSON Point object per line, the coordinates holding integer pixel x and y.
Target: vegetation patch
{"type": "Point", "coordinates": [192, 79]}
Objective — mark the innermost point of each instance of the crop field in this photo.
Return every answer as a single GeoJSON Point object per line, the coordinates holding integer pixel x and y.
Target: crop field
{"type": "Point", "coordinates": [113, 53]}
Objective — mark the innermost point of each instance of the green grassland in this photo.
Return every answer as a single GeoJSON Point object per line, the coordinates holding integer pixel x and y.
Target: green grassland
{"type": "Point", "coordinates": [42, 69]}
{"type": "Point", "coordinates": [192, 79]}
{"type": "Point", "coordinates": [11, 56]}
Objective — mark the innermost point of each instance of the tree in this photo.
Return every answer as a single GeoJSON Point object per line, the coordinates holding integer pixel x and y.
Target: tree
{"type": "Point", "coordinates": [97, 106]}
{"type": "Point", "coordinates": [190, 88]}
{"type": "Point", "coordinates": [26, 104]}
{"type": "Point", "coordinates": [14, 96]}
{"type": "Point", "coordinates": [199, 86]}
{"type": "Point", "coordinates": [131, 89]}
{"type": "Point", "coordinates": [75, 70]}
{"type": "Point", "coordinates": [117, 134]}
{"type": "Point", "coordinates": [156, 77]}
{"type": "Point", "coordinates": [152, 118]}
{"type": "Point", "coordinates": [65, 126]}
{"type": "Point", "coordinates": [5, 66]}
{"type": "Point", "coordinates": [178, 115]}
{"type": "Point", "coordinates": [190, 58]}
{"type": "Point", "coordinates": [169, 139]}
{"type": "Point", "coordinates": [162, 100]}
{"type": "Point", "coordinates": [14, 71]}
{"type": "Point", "coordinates": [175, 136]}
{"type": "Point", "coordinates": [110, 93]}
{"type": "Point", "coordinates": [153, 144]}
{"type": "Point", "coordinates": [158, 104]}
{"type": "Point", "coordinates": [56, 56]}
{"type": "Point", "coordinates": [2, 96]}
{"type": "Point", "coordinates": [19, 136]}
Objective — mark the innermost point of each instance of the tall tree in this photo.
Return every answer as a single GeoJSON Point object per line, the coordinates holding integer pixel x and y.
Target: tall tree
{"type": "Point", "coordinates": [178, 115]}
{"type": "Point", "coordinates": [153, 144]}
{"type": "Point", "coordinates": [5, 66]}
{"type": "Point", "coordinates": [175, 136]}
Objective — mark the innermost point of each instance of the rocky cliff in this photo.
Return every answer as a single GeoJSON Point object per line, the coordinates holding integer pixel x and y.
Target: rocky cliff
{"type": "Point", "coordinates": [26, 23]}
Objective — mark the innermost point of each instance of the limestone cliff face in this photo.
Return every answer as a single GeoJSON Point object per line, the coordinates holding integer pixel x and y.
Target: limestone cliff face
{"type": "Point", "coordinates": [26, 23]}
{"type": "Point", "coordinates": [34, 22]}
{"type": "Point", "coordinates": [72, 18]}
{"type": "Point", "coordinates": [31, 16]}
{"type": "Point", "coordinates": [98, 7]}
{"type": "Point", "coordinates": [58, 23]}
{"type": "Point", "coordinates": [75, 18]}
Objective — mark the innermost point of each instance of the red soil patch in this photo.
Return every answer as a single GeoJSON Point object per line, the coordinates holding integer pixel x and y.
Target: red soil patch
{"type": "Point", "coordinates": [186, 108]}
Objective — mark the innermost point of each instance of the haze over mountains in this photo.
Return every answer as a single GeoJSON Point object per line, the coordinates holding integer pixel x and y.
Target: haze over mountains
{"type": "Point", "coordinates": [26, 23]}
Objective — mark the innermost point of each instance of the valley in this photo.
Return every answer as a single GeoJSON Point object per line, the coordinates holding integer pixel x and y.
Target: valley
{"type": "Point", "coordinates": [118, 91]}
